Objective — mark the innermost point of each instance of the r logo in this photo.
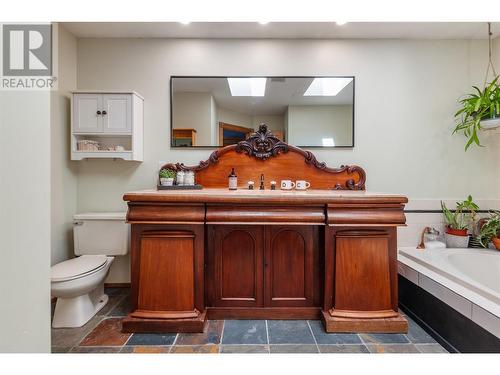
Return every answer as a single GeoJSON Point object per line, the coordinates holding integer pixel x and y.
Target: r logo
{"type": "Point", "coordinates": [27, 50]}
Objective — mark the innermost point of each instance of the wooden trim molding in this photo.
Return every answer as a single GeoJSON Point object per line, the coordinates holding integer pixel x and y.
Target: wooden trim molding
{"type": "Point", "coordinates": [147, 314]}
{"type": "Point", "coordinates": [140, 212]}
{"type": "Point", "coordinates": [117, 285]}
{"type": "Point", "coordinates": [361, 215]}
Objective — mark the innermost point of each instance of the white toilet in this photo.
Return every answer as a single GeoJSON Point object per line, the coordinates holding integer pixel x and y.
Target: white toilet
{"type": "Point", "coordinates": [78, 283]}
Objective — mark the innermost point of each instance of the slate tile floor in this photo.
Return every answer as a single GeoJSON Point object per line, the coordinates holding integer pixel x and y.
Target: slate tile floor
{"type": "Point", "coordinates": [102, 335]}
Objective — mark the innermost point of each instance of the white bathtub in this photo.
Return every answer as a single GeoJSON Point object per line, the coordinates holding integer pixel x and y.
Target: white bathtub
{"type": "Point", "coordinates": [466, 279]}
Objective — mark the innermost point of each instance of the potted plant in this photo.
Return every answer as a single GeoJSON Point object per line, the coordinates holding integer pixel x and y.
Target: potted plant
{"type": "Point", "coordinates": [490, 231]}
{"type": "Point", "coordinates": [457, 223]}
{"type": "Point", "coordinates": [167, 177]}
{"type": "Point", "coordinates": [480, 110]}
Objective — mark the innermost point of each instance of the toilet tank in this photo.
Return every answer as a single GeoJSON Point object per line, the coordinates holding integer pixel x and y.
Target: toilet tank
{"type": "Point", "coordinates": [101, 233]}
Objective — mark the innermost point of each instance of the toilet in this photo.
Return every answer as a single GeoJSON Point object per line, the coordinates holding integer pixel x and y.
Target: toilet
{"type": "Point", "coordinates": [78, 283]}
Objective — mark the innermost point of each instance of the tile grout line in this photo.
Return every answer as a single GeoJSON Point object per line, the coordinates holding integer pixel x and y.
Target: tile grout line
{"type": "Point", "coordinates": [126, 342]}
{"type": "Point", "coordinates": [222, 335]}
{"type": "Point", "coordinates": [175, 341]}
{"type": "Point", "coordinates": [122, 298]}
{"type": "Point", "coordinates": [267, 337]}
{"type": "Point", "coordinates": [314, 337]}
{"type": "Point", "coordinates": [101, 318]}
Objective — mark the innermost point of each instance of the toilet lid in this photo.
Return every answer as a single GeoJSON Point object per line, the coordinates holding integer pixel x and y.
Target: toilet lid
{"type": "Point", "coordinates": [77, 266]}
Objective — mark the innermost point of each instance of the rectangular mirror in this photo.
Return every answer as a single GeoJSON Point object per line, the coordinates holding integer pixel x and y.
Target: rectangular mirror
{"type": "Point", "coordinates": [302, 111]}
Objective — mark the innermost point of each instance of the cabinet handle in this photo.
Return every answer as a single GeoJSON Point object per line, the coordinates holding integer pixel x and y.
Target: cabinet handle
{"type": "Point", "coordinates": [98, 112]}
{"type": "Point", "coordinates": [104, 113]}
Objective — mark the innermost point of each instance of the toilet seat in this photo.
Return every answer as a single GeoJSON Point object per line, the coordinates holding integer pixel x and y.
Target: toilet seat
{"type": "Point", "coordinates": [77, 267]}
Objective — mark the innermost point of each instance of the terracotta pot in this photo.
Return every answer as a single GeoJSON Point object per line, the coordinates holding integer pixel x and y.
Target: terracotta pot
{"type": "Point", "coordinates": [496, 242]}
{"type": "Point", "coordinates": [456, 232]}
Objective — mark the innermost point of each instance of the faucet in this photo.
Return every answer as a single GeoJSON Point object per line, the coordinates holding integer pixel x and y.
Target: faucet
{"type": "Point", "coordinates": [261, 182]}
{"type": "Point", "coordinates": [427, 230]}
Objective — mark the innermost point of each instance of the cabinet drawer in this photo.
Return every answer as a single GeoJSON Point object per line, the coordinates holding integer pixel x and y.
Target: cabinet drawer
{"type": "Point", "coordinates": [220, 214]}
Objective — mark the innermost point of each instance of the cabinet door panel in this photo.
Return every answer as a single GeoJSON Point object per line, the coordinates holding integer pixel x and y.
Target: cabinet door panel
{"type": "Point", "coordinates": [166, 276]}
{"type": "Point", "coordinates": [362, 272]}
{"type": "Point", "coordinates": [85, 117]}
{"type": "Point", "coordinates": [118, 117]}
{"type": "Point", "coordinates": [238, 258]}
{"type": "Point", "coordinates": [289, 266]}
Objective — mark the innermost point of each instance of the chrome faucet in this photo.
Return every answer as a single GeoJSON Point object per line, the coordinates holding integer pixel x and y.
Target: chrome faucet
{"type": "Point", "coordinates": [261, 182]}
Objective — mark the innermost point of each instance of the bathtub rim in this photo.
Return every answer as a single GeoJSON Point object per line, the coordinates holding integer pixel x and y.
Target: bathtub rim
{"type": "Point", "coordinates": [442, 278]}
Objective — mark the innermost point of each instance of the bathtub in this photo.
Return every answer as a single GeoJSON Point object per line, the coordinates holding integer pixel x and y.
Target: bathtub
{"type": "Point", "coordinates": [467, 280]}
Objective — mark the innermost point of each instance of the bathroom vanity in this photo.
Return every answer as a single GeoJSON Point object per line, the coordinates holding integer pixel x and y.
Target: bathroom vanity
{"type": "Point", "coordinates": [327, 253]}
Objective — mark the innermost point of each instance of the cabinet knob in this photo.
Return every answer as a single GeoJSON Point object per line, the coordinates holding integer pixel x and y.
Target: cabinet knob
{"type": "Point", "coordinates": [98, 112]}
{"type": "Point", "coordinates": [104, 113]}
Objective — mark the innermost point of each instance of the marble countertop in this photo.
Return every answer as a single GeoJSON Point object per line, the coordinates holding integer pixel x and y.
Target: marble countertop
{"type": "Point", "coordinates": [211, 195]}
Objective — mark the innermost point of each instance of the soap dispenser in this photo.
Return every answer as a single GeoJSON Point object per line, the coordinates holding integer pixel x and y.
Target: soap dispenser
{"type": "Point", "coordinates": [232, 180]}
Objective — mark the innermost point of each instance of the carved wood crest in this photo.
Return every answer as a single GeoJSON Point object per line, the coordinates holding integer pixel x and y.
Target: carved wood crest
{"type": "Point", "coordinates": [263, 145]}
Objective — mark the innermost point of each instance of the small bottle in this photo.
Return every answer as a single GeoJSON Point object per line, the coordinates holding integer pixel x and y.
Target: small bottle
{"type": "Point", "coordinates": [233, 180]}
{"type": "Point", "coordinates": [189, 178]}
{"type": "Point", "coordinates": [180, 178]}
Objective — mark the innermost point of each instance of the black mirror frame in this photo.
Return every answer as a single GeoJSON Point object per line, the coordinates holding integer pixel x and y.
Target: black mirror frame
{"type": "Point", "coordinates": [259, 76]}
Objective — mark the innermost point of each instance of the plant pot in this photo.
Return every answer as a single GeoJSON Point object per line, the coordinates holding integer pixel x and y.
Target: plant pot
{"type": "Point", "coordinates": [167, 181]}
{"type": "Point", "coordinates": [453, 241]}
{"type": "Point", "coordinates": [496, 242]}
{"type": "Point", "coordinates": [456, 232]}
{"type": "Point", "coordinates": [490, 123]}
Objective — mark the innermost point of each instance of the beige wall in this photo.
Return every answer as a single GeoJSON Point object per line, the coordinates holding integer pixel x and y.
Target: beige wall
{"type": "Point", "coordinates": [193, 110]}
{"type": "Point", "coordinates": [273, 122]}
{"type": "Point", "coordinates": [25, 219]}
{"type": "Point", "coordinates": [406, 93]}
{"type": "Point", "coordinates": [496, 61]}
{"type": "Point", "coordinates": [234, 118]}
{"type": "Point", "coordinates": [309, 124]}
{"type": "Point", "coordinates": [64, 172]}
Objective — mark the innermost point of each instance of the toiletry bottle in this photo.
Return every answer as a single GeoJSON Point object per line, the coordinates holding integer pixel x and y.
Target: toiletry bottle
{"type": "Point", "coordinates": [233, 180]}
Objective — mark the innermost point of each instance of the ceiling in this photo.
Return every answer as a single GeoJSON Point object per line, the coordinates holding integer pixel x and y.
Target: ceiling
{"type": "Point", "coordinates": [280, 93]}
{"type": "Point", "coordinates": [287, 30]}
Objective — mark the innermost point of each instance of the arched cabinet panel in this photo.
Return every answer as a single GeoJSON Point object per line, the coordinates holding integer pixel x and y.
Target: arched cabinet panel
{"type": "Point", "coordinates": [237, 266]}
{"type": "Point", "coordinates": [289, 266]}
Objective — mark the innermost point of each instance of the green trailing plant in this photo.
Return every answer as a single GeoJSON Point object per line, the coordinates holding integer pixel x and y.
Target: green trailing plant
{"type": "Point", "coordinates": [477, 106]}
{"type": "Point", "coordinates": [167, 173]}
{"type": "Point", "coordinates": [490, 229]}
{"type": "Point", "coordinates": [465, 213]}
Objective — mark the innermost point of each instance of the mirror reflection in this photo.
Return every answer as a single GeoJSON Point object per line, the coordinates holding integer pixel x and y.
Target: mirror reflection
{"type": "Point", "coordinates": [303, 111]}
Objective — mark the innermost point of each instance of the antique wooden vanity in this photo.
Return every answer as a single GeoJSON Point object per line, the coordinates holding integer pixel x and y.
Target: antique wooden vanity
{"type": "Point", "coordinates": [326, 253]}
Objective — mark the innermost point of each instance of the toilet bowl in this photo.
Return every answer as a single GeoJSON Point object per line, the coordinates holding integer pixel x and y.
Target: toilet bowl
{"type": "Point", "coordinates": [78, 283]}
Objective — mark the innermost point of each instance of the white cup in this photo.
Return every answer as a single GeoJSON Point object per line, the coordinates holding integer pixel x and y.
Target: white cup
{"type": "Point", "coordinates": [287, 184]}
{"type": "Point", "coordinates": [302, 185]}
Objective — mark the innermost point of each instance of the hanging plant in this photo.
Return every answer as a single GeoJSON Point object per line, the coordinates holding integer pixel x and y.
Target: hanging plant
{"type": "Point", "coordinates": [480, 109]}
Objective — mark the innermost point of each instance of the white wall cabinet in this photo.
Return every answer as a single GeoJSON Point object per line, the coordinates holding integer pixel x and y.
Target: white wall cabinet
{"type": "Point", "coordinates": [86, 113]}
{"type": "Point", "coordinates": [107, 124]}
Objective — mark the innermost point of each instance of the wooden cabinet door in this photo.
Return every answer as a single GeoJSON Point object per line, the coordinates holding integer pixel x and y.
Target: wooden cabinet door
{"type": "Point", "coordinates": [87, 116]}
{"type": "Point", "coordinates": [166, 280]}
{"type": "Point", "coordinates": [364, 284]}
{"type": "Point", "coordinates": [117, 113]}
{"type": "Point", "coordinates": [237, 265]}
{"type": "Point", "coordinates": [289, 266]}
